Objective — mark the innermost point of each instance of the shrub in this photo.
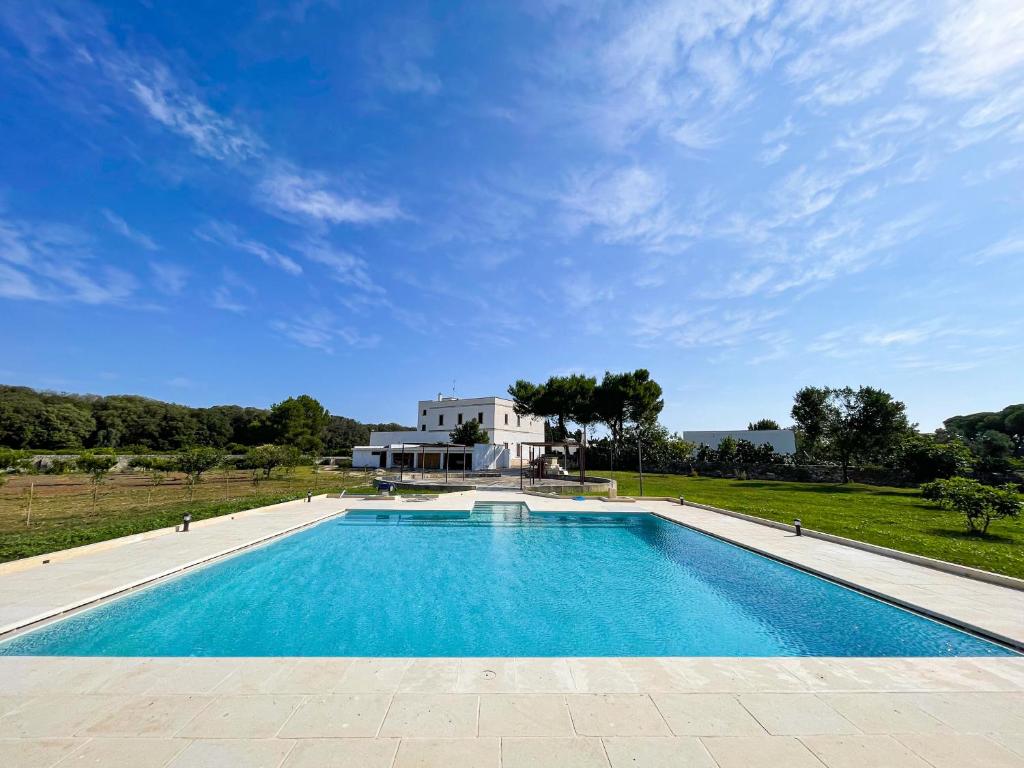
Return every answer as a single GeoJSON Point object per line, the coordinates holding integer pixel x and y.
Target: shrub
{"type": "Point", "coordinates": [924, 459]}
{"type": "Point", "coordinates": [980, 504]}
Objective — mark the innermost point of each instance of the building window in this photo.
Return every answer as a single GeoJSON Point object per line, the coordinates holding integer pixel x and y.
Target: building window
{"type": "Point", "coordinates": [480, 418]}
{"type": "Point", "coordinates": [424, 411]}
{"type": "Point", "coordinates": [423, 427]}
{"type": "Point", "coordinates": [460, 418]}
{"type": "Point", "coordinates": [440, 419]}
{"type": "Point", "coordinates": [519, 421]}
{"type": "Point", "coordinates": [506, 419]}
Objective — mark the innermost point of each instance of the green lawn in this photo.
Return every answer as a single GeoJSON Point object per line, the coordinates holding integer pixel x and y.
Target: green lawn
{"type": "Point", "coordinates": [890, 517]}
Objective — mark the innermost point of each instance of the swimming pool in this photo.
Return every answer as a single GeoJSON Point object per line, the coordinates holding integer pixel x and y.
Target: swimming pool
{"type": "Point", "coordinates": [498, 581]}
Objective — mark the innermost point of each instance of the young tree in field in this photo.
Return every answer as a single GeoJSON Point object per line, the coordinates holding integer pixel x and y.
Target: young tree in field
{"type": "Point", "coordinates": [763, 424]}
{"type": "Point", "coordinates": [979, 504]}
{"type": "Point", "coordinates": [266, 458]}
{"type": "Point", "coordinates": [300, 421]}
{"type": "Point", "coordinates": [97, 466]}
{"type": "Point", "coordinates": [469, 433]}
{"type": "Point", "coordinates": [196, 461]}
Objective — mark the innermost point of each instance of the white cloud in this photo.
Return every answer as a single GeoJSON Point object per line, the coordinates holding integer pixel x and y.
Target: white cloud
{"type": "Point", "coordinates": [169, 278]}
{"type": "Point", "coordinates": [53, 262]}
{"type": "Point", "coordinates": [211, 134]}
{"type": "Point", "coordinates": [294, 192]}
{"type": "Point", "coordinates": [321, 330]}
{"type": "Point", "coordinates": [976, 47]}
{"type": "Point", "coordinates": [225, 234]}
{"type": "Point", "coordinates": [1012, 245]}
{"type": "Point", "coordinates": [345, 267]}
{"type": "Point", "coordinates": [852, 85]}
{"type": "Point", "coordinates": [120, 226]}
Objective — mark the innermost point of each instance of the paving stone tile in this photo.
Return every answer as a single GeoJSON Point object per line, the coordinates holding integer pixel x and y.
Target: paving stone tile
{"type": "Point", "coordinates": [36, 753]}
{"type": "Point", "coordinates": [310, 676]}
{"type": "Point", "coordinates": [337, 714]}
{"type": "Point", "coordinates": [601, 676]}
{"type": "Point", "coordinates": [524, 714]}
{"type": "Point", "coordinates": [252, 676]}
{"type": "Point", "coordinates": [130, 753]}
{"type": "Point", "coordinates": [657, 752]}
{"type": "Point", "coordinates": [197, 676]}
{"type": "Point", "coordinates": [58, 716]}
{"type": "Point", "coordinates": [486, 676]}
{"type": "Point", "coordinates": [373, 676]}
{"type": "Point", "coordinates": [884, 712]}
{"type": "Point", "coordinates": [342, 753]}
{"type": "Point", "coordinates": [553, 753]}
{"type": "Point", "coordinates": [974, 712]}
{"type": "Point", "coordinates": [862, 752]}
{"type": "Point", "coordinates": [706, 714]}
{"type": "Point", "coordinates": [255, 716]}
{"type": "Point", "coordinates": [229, 753]}
{"type": "Point", "coordinates": [149, 716]}
{"type": "Point", "coordinates": [448, 753]}
{"type": "Point", "coordinates": [543, 676]}
{"type": "Point", "coordinates": [431, 676]}
{"type": "Point", "coordinates": [760, 752]}
{"type": "Point", "coordinates": [618, 714]}
{"type": "Point", "coordinates": [795, 714]}
{"type": "Point", "coordinates": [1012, 741]}
{"type": "Point", "coordinates": [960, 751]}
{"type": "Point", "coordinates": [435, 715]}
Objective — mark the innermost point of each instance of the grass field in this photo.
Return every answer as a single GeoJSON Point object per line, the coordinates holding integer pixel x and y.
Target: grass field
{"type": "Point", "coordinates": [63, 514]}
{"type": "Point", "coordinates": [890, 517]}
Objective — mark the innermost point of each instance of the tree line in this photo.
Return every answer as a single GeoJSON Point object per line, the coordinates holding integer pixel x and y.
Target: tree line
{"type": "Point", "coordinates": [620, 402]}
{"type": "Point", "coordinates": [31, 419]}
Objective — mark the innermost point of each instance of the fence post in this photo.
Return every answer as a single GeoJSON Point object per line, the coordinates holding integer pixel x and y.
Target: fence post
{"type": "Point", "coordinates": [31, 493]}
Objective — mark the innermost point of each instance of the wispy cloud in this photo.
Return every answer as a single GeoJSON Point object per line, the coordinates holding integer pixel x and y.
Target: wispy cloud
{"type": "Point", "coordinates": [169, 278]}
{"type": "Point", "coordinates": [1012, 245]}
{"type": "Point", "coordinates": [398, 56]}
{"type": "Point", "coordinates": [45, 261]}
{"type": "Point", "coordinates": [308, 194]}
{"type": "Point", "coordinates": [228, 235]}
{"type": "Point", "coordinates": [120, 226]}
{"type": "Point", "coordinates": [322, 331]}
{"type": "Point", "coordinates": [975, 47]}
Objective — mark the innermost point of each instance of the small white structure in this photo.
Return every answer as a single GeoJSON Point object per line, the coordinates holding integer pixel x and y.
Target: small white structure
{"type": "Point", "coordinates": [436, 419]}
{"type": "Point", "coordinates": [782, 440]}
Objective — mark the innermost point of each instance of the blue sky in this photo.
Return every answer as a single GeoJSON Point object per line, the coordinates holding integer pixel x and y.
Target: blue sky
{"type": "Point", "coordinates": [236, 202]}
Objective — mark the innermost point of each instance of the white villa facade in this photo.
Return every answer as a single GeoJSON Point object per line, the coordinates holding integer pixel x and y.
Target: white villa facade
{"type": "Point", "coordinates": [435, 419]}
{"type": "Point", "coordinates": [782, 440]}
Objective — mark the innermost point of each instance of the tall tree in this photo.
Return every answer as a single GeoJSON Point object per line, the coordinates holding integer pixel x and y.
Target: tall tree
{"type": "Point", "coordinates": [300, 421]}
{"type": "Point", "coordinates": [810, 413]}
{"type": "Point", "coordinates": [763, 424]}
{"type": "Point", "coordinates": [847, 424]}
{"type": "Point", "coordinates": [644, 403]}
{"type": "Point", "coordinates": [611, 404]}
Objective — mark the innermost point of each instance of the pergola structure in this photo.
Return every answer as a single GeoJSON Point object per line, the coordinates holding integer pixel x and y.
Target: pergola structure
{"type": "Point", "coordinates": [423, 449]}
{"type": "Point", "coordinates": [565, 445]}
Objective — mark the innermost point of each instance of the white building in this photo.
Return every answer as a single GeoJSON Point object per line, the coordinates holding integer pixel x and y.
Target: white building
{"type": "Point", "coordinates": [435, 419]}
{"type": "Point", "coordinates": [782, 440]}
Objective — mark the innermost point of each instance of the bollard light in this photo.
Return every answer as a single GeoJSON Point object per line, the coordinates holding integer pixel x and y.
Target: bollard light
{"type": "Point", "coordinates": [796, 524]}
{"type": "Point", "coordinates": [309, 496]}
{"type": "Point", "coordinates": [682, 501]}
{"type": "Point", "coordinates": [185, 520]}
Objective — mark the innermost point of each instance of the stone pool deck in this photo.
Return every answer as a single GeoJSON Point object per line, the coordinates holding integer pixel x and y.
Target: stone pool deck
{"type": "Point", "coordinates": [839, 713]}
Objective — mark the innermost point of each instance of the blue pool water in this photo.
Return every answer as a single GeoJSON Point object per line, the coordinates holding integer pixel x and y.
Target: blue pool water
{"type": "Point", "coordinates": [499, 581]}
